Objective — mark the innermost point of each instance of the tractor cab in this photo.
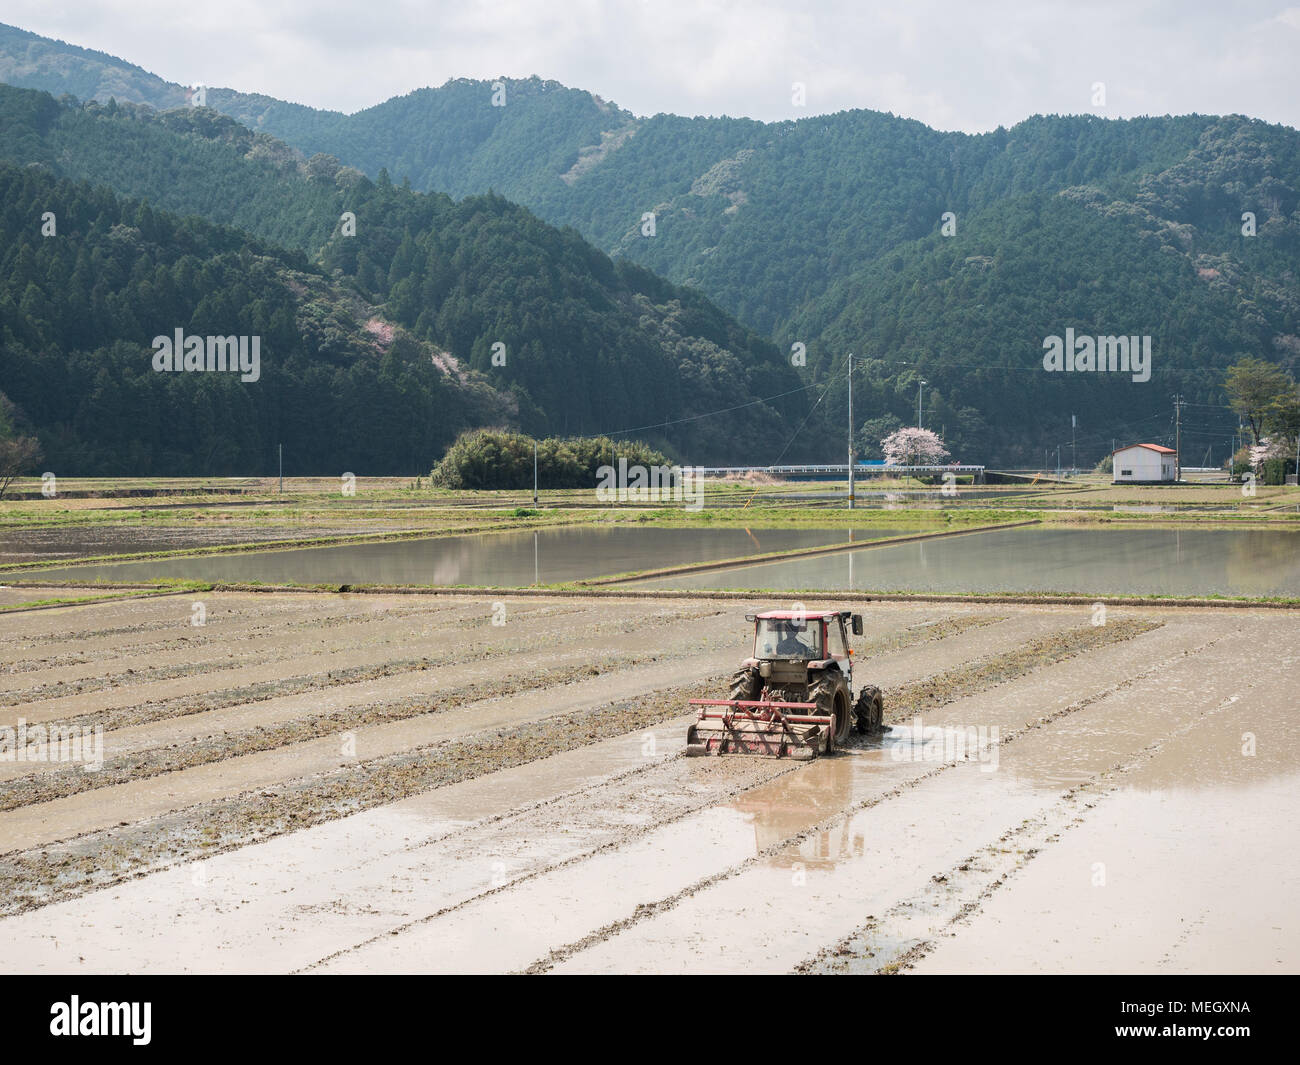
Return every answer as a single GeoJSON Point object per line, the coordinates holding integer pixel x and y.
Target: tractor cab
{"type": "Point", "coordinates": [788, 638]}
{"type": "Point", "coordinates": [811, 639]}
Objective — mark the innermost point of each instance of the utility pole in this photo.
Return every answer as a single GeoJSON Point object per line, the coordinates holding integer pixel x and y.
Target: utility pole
{"type": "Point", "coordinates": [281, 449]}
{"type": "Point", "coordinates": [850, 430]}
{"type": "Point", "coordinates": [921, 383]}
{"type": "Point", "coordinates": [1178, 427]}
{"type": "Point", "coordinates": [1074, 455]}
{"type": "Point", "coordinates": [534, 473]}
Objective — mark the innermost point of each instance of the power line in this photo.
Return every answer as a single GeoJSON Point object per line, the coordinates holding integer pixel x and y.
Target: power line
{"type": "Point", "coordinates": [1037, 367]}
{"type": "Point", "coordinates": [708, 414]}
{"type": "Point", "coordinates": [830, 380]}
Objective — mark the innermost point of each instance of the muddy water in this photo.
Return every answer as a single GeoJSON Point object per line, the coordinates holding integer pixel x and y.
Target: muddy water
{"type": "Point", "coordinates": [1155, 881]}
{"type": "Point", "coordinates": [1089, 561]}
{"type": "Point", "coordinates": [1190, 866]}
{"type": "Point", "coordinates": [498, 559]}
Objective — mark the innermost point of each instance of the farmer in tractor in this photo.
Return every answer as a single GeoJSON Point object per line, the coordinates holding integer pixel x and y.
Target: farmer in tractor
{"type": "Point", "coordinates": [790, 645]}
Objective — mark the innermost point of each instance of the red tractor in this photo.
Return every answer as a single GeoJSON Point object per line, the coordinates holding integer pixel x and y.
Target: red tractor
{"type": "Point", "coordinates": [794, 698]}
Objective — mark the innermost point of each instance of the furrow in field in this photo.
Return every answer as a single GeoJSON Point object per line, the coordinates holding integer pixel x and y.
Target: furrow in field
{"type": "Point", "coordinates": [128, 622]}
{"type": "Point", "coordinates": [450, 640]}
{"type": "Point", "coordinates": [41, 823]}
{"type": "Point", "coordinates": [386, 868]}
{"type": "Point", "coordinates": [167, 744]}
{"type": "Point", "coordinates": [176, 744]}
{"type": "Point", "coordinates": [213, 647]}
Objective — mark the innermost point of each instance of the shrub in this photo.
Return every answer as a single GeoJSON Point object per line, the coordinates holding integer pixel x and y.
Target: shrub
{"type": "Point", "coordinates": [1273, 471]}
{"type": "Point", "coordinates": [498, 458]}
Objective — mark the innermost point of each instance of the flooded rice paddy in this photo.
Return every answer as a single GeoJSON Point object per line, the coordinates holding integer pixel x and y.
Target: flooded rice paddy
{"type": "Point", "coordinates": [1191, 562]}
{"type": "Point", "coordinates": [546, 556]}
{"type": "Point", "coordinates": [1175, 562]}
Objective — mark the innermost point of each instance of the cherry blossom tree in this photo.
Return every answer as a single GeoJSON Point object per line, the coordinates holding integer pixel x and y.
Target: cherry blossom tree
{"type": "Point", "coordinates": [1268, 448]}
{"type": "Point", "coordinates": [910, 446]}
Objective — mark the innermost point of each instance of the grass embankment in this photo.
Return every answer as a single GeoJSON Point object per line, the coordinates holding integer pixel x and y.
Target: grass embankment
{"type": "Point", "coordinates": [137, 592]}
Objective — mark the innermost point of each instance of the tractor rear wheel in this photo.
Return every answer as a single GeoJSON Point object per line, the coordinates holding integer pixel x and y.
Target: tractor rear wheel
{"type": "Point", "coordinates": [831, 694]}
{"type": "Point", "coordinates": [746, 684]}
{"type": "Point", "coordinates": [870, 709]}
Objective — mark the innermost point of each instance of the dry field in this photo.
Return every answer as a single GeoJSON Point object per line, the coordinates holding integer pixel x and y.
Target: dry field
{"type": "Point", "coordinates": [417, 783]}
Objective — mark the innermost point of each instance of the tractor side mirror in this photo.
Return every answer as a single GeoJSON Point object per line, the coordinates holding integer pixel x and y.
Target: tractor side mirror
{"type": "Point", "coordinates": [857, 624]}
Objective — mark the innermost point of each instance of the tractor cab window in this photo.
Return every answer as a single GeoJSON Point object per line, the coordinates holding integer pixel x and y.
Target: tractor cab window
{"type": "Point", "coordinates": [788, 638]}
{"type": "Point", "coordinates": [838, 650]}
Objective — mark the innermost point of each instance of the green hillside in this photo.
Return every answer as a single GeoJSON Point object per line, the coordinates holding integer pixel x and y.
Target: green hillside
{"type": "Point", "coordinates": [485, 297]}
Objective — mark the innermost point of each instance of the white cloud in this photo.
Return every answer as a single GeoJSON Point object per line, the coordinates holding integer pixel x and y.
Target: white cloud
{"type": "Point", "coordinates": [954, 65]}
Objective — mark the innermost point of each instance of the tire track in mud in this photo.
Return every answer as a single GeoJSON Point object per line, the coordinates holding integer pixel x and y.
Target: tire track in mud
{"type": "Point", "coordinates": [241, 652]}
{"type": "Point", "coordinates": [983, 675]}
{"type": "Point", "coordinates": [70, 780]}
{"type": "Point", "coordinates": [993, 670]}
{"type": "Point", "coordinates": [36, 630]}
{"type": "Point", "coordinates": [766, 770]}
{"type": "Point", "coordinates": [245, 620]}
{"type": "Point", "coordinates": [63, 870]}
{"type": "Point", "coordinates": [926, 631]}
{"type": "Point", "coordinates": [982, 874]}
{"type": "Point", "coordinates": [113, 718]}
{"type": "Point", "coordinates": [219, 633]}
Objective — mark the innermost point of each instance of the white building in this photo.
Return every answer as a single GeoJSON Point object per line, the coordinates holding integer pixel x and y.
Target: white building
{"type": "Point", "coordinates": [1144, 463]}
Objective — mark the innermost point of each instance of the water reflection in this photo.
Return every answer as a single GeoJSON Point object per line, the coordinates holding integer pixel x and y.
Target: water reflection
{"type": "Point", "coordinates": [509, 558]}
{"type": "Point", "coordinates": [1252, 562]}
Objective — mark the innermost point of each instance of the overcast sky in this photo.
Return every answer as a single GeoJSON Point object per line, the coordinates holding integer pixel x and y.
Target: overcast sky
{"type": "Point", "coordinates": [953, 64]}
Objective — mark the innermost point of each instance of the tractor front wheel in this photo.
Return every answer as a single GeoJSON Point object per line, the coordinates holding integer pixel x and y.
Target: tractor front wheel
{"type": "Point", "coordinates": [870, 709]}
{"type": "Point", "coordinates": [746, 684]}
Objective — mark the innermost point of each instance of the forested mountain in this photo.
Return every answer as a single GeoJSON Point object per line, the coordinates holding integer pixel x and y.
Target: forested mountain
{"type": "Point", "coordinates": [829, 231]}
{"type": "Point", "coordinates": [968, 314]}
{"type": "Point", "coordinates": [79, 309]}
{"type": "Point", "coordinates": [496, 317]}
{"type": "Point", "coordinates": [35, 62]}
{"type": "Point", "coordinates": [188, 160]}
